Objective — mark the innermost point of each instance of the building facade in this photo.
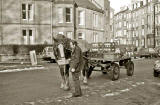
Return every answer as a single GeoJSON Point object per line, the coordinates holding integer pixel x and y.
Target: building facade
{"type": "Point", "coordinates": [122, 27]}
{"type": "Point", "coordinates": [111, 36]}
{"type": "Point", "coordinates": [38, 21]}
{"type": "Point", "coordinates": [140, 23]}
{"type": "Point", "coordinates": [157, 22]}
{"type": "Point", "coordinates": [22, 22]}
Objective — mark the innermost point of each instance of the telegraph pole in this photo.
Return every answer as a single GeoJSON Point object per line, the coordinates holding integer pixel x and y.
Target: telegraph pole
{"type": "Point", "coordinates": [154, 30]}
{"type": "Point", "coordinates": [74, 21]}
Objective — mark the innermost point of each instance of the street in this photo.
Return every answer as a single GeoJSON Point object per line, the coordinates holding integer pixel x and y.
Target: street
{"type": "Point", "coordinates": [41, 87]}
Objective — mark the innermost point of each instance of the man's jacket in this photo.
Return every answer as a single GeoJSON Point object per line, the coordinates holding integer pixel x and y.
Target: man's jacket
{"type": "Point", "coordinates": [76, 59]}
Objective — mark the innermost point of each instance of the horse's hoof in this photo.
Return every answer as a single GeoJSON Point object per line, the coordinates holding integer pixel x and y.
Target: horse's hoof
{"type": "Point", "coordinates": [62, 86]}
{"type": "Point", "coordinates": [66, 88]}
{"type": "Point", "coordinates": [85, 81]}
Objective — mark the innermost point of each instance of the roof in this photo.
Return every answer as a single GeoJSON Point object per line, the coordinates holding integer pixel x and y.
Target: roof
{"type": "Point", "coordinates": [123, 11]}
{"type": "Point", "coordinates": [80, 3]}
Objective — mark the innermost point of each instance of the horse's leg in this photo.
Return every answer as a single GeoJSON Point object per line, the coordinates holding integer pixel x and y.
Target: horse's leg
{"type": "Point", "coordinates": [84, 71]}
{"type": "Point", "coordinates": [62, 75]}
{"type": "Point", "coordinates": [66, 87]}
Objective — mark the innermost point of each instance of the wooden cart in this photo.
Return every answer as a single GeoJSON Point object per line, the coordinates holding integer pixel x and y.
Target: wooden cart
{"type": "Point", "coordinates": [104, 57]}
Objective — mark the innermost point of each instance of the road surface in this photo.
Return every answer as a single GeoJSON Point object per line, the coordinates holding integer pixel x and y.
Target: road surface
{"type": "Point", "coordinates": [41, 87]}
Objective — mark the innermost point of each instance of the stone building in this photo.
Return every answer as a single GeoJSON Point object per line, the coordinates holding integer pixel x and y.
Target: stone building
{"type": "Point", "coordinates": [25, 21]}
{"type": "Point", "coordinates": [157, 23]}
{"type": "Point", "coordinates": [121, 26]}
{"type": "Point", "coordinates": [111, 36]}
{"type": "Point", "coordinates": [38, 21]}
{"type": "Point", "coordinates": [140, 23]}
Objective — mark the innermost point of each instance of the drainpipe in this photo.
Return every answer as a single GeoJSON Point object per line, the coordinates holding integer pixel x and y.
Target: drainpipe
{"type": "Point", "coordinates": [1, 28]}
{"type": "Point", "coordinates": [52, 21]}
{"type": "Point", "coordinates": [154, 31]}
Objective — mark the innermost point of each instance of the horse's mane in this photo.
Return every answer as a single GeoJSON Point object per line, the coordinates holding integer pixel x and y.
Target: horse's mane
{"type": "Point", "coordinates": [66, 44]}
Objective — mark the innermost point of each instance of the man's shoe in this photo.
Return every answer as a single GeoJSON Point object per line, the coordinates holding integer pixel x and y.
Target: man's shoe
{"type": "Point", "coordinates": [76, 95]}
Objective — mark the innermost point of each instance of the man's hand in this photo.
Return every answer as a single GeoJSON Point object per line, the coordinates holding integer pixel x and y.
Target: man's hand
{"type": "Point", "coordinates": [72, 70]}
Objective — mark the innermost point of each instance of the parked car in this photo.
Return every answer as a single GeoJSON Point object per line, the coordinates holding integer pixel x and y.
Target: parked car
{"type": "Point", "coordinates": [156, 69]}
{"type": "Point", "coordinates": [147, 53]}
{"type": "Point", "coordinates": [48, 54]}
{"type": "Point", "coordinates": [158, 50]}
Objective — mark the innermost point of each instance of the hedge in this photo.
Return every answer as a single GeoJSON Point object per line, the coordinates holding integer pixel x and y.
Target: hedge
{"type": "Point", "coordinates": [21, 49]}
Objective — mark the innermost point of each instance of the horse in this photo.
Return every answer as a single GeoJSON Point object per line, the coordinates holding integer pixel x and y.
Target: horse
{"type": "Point", "coordinates": [62, 53]}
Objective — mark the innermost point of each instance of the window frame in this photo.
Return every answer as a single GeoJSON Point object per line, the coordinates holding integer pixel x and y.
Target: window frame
{"type": "Point", "coordinates": [68, 14]}
{"type": "Point", "coordinates": [29, 12]}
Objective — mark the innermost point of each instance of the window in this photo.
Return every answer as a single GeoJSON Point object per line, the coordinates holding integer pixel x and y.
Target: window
{"type": "Point", "coordinates": [30, 11]}
{"type": "Point", "coordinates": [95, 20]}
{"type": "Point", "coordinates": [69, 35]}
{"type": "Point", "coordinates": [24, 32]}
{"type": "Point", "coordinates": [81, 36]}
{"type": "Point", "coordinates": [27, 11]}
{"type": "Point", "coordinates": [28, 37]}
{"type": "Point", "coordinates": [142, 21]}
{"type": "Point", "coordinates": [142, 32]}
{"type": "Point", "coordinates": [136, 24]}
{"type": "Point", "coordinates": [159, 19]}
{"type": "Point", "coordinates": [136, 42]}
{"type": "Point", "coordinates": [61, 33]}
{"type": "Point", "coordinates": [24, 15]}
{"type": "Point", "coordinates": [124, 15]}
{"type": "Point", "coordinates": [111, 15]}
{"type": "Point", "coordinates": [60, 15]}
{"type": "Point", "coordinates": [95, 37]}
{"type": "Point", "coordinates": [81, 17]}
{"type": "Point", "coordinates": [137, 33]}
{"type": "Point", "coordinates": [120, 24]}
{"type": "Point", "coordinates": [130, 25]}
{"type": "Point", "coordinates": [68, 14]}
{"type": "Point", "coordinates": [125, 24]}
{"type": "Point", "coordinates": [125, 32]}
{"type": "Point", "coordinates": [31, 39]}
{"type": "Point", "coordinates": [120, 33]}
{"type": "Point", "coordinates": [142, 42]}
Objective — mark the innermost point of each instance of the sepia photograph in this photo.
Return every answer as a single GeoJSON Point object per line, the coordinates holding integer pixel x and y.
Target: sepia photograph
{"type": "Point", "coordinates": [79, 52]}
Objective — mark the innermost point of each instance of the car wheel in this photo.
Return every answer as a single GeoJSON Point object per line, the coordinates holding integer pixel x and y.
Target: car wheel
{"type": "Point", "coordinates": [155, 73]}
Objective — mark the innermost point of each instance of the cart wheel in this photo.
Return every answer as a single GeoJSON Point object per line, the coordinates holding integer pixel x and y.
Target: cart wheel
{"type": "Point", "coordinates": [89, 72]}
{"type": "Point", "coordinates": [104, 72]}
{"type": "Point", "coordinates": [155, 73]}
{"type": "Point", "coordinates": [115, 72]}
{"type": "Point", "coordinates": [130, 68]}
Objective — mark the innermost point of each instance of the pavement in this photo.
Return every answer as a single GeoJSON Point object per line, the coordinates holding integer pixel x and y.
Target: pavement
{"type": "Point", "coordinates": [26, 65]}
{"type": "Point", "coordinates": [20, 66]}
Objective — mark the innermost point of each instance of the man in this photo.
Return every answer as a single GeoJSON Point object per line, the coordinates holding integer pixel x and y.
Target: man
{"type": "Point", "coordinates": [75, 67]}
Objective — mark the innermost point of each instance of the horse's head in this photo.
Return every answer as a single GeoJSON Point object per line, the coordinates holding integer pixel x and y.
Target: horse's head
{"type": "Point", "coordinates": [61, 50]}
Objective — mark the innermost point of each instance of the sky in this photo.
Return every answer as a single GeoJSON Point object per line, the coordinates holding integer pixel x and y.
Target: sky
{"type": "Point", "coordinates": [116, 4]}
